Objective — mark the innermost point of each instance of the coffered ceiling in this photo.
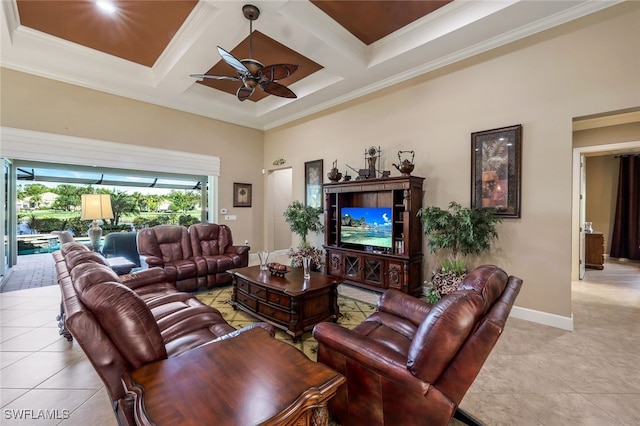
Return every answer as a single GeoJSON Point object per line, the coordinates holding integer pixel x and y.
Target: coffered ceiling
{"type": "Point", "coordinates": [147, 50]}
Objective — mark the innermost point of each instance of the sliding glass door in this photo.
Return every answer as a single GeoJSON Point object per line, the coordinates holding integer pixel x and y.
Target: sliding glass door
{"type": "Point", "coordinates": [8, 254]}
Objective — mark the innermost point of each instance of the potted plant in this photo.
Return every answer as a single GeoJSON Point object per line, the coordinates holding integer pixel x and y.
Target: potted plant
{"type": "Point", "coordinates": [458, 231]}
{"type": "Point", "coordinates": [302, 220]}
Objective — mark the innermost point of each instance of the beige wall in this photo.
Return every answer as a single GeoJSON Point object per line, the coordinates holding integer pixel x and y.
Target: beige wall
{"type": "Point", "coordinates": [629, 132]}
{"type": "Point", "coordinates": [542, 82]}
{"type": "Point", "coordinates": [601, 192]}
{"type": "Point", "coordinates": [40, 104]}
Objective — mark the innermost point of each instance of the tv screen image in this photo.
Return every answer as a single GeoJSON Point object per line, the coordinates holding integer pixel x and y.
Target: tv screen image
{"type": "Point", "coordinates": [366, 226]}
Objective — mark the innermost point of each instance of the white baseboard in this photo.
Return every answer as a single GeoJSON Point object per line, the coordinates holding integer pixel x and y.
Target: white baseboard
{"type": "Point", "coordinates": [539, 317]}
{"type": "Point", "coordinates": [544, 318]}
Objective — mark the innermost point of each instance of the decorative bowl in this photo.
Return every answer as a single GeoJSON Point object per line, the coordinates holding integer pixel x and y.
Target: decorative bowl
{"type": "Point", "coordinates": [277, 269]}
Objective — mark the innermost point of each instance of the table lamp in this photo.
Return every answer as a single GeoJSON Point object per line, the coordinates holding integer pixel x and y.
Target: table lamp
{"type": "Point", "coordinates": [96, 207]}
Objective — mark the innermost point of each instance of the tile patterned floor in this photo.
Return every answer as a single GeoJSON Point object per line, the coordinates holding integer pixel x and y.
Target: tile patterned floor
{"type": "Point", "coordinates": [32, 271]}
{"type": "Point", "coordinates": [536, 375]}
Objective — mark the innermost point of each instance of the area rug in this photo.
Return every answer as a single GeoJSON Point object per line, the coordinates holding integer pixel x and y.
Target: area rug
{"type": "Point", "coordinates": [352, 313]}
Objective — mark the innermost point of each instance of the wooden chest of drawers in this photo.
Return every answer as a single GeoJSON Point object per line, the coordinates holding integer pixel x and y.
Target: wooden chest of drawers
{"type": "Point", "coordinates": [594, 250]}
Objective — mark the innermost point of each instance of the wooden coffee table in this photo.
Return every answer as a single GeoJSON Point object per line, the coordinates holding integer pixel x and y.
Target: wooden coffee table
{"type": "Point", "coordinates": [290, 303]}
{"type": "Point", "coordinates": [249, 379]}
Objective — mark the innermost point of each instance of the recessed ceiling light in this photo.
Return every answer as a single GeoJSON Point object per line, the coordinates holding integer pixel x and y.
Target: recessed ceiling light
{"type": "Point", "coordinates": [106, 6]}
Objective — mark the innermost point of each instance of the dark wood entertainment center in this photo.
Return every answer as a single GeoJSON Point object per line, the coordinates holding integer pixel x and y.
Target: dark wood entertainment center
{"type": "Point", "coordinates": [377, 268]}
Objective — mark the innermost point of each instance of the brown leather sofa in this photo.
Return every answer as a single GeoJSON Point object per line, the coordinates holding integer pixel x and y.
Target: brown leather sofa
{"type": "Point", "coordinates": [126, 322]}
{"type": "Point", "coordinates": [214, 244]}
{"type": "Point", "coordinates": [411, 363]}
{"type": "Point", "coordinates": [193, 258]}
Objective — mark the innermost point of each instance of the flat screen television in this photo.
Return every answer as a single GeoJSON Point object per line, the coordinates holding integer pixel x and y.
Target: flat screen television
{"type": "Point", "coordinates": [366, 226]}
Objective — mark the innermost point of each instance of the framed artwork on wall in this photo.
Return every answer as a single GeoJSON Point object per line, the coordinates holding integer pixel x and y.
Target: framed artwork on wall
{"type": "Point", "coordinates": [242, 195]}
{"type": "Point", "coordinates": [313, 183]}
{"type": "Point", "coordinates": [496, 170]}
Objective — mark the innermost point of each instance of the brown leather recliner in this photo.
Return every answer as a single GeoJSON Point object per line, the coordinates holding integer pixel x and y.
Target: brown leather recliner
{"type": "Point", "coordinates": [125, 322]}
{"type": "Point", "coordinates": [411, 363]}
{"type": "Point", "coordinates": [213, 243]}
{"type": "Point", "coordinates": [169, 247]}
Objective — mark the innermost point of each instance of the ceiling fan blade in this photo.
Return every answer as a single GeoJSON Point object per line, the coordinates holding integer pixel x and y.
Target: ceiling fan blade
{"type": "Point", "coordinates": [279, 71]}
{"type": "Point", "coordinates": [215, 77]}
{"type": "Point", "coordinates": [277, 89]}
{"type": "Point", "coordinates": [233, 62]}
{"type": "Point", "coordinates": [244, 92]}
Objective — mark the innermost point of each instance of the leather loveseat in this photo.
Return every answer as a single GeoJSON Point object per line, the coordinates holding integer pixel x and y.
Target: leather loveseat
{"type": "Point", "coordinates": [195, 257]}
{"type": "Point", "coordinates": [411, 363]}
{"type": "Point", "coordinates": [126, 322]}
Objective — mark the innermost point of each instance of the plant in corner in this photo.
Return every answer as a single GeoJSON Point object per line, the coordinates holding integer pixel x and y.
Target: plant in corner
{"type": "Point", "coordinates": [459, 232]}
{"type": "Point", "coordinates": [302, 220]}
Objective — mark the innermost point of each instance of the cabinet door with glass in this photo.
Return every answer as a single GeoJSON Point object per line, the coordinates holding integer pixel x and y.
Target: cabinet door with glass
{"type": "Point", "coordinates": [373, 271]}
{"type": "Point", "coordinates": [353, 267]}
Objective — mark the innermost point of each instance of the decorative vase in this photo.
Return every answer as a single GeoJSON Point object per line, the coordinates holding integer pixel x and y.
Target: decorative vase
{"type": "Point", "coordinates": [306, 267]}
{"type": "Point", "coordinates": [264, 258]}
{"type": "Point", "coordinates": [334, 175]}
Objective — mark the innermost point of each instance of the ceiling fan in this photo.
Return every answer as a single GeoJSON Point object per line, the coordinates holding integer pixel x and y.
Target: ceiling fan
{"type": "Point", "coordinates": [251, 72]}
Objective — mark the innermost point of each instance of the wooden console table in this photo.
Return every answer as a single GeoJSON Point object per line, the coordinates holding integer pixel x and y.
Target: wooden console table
{"type": "Point", "coordinates": [290, 303]}
{"type": "Point", "coordinates": [249, 379]}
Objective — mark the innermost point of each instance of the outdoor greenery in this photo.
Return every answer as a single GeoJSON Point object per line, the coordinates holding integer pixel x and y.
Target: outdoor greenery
{"type": "Point", "coordinates": [137, 209]}
{"type": "Point", "coordinates": [457, 232]}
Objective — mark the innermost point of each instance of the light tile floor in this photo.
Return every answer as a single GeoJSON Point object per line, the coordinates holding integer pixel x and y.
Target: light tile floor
{"type": "Point", "coordinates": [536, 375]}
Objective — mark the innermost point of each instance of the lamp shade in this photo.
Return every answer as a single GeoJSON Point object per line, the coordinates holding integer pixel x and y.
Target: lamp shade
{"type": "Point", "coordinates": [96, 206]}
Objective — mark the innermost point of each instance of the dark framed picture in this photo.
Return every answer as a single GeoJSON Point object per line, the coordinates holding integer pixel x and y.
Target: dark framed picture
{"type": "Point", "coordinates": [313, 183]}
{"type": "Point", "coordinates": [496, 170]}
{"type": "Point", "coordinates": [242, 195]}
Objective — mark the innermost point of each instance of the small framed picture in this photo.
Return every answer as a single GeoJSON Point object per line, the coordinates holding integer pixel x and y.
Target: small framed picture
{"type": "Point", "coordinates": [496, 170]}
{"type": "Point", "coordinates": [313, 183]}
{"type": "Point", "coordinates": [242, 195]}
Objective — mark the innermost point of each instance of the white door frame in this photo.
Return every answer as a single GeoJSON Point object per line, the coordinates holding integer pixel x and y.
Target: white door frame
{"type": "Point", "coordinates": [577, 205]}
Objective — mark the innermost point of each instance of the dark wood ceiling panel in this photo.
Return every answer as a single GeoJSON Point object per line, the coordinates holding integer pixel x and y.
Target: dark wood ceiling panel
{"type": "Point", "coordinates": [370, 21]}
{"type": "Point", "coordinates": [268, 52]}
{"type": "Point", "coordinates": [139, 31]}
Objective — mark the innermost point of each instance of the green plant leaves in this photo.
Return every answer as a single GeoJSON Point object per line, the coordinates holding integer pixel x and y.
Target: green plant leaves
{"type": "Point", "coordinates": [303, 219]}
{"type": "Point", "coordinates": [462, 231]}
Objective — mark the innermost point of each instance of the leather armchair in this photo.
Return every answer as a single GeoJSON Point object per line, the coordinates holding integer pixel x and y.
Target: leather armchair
{"type": "Point", "coordinates": [123, 244]}
{"type": "Point", "coordinates": [169, 247]}
{"type": "Point", "coordinates": [213, 244]}
{"type": "Point", "coordinates": [411, 363]}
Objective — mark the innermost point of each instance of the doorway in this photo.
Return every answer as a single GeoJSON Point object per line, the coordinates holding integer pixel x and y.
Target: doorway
{"type": "Point", "coordinates": [280, 195]}
{"type": "Point", "coordinates": [580, 196]}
